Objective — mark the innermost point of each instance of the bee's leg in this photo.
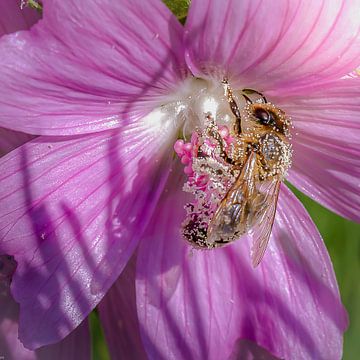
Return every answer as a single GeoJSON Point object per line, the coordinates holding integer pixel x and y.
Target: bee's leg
{"type": "Point", "coordinates": [251, 91]}
{"type": "Point", "coordinates": [223, 153]}
{"type": "Point", "coordinates": [255, 146]}
{"type": "Point", "coordinates": [263, 163]}
{"type": "Point", "coordinates": [216, 136]}
{"type": "Point", "coordinates": [237, 126]}
{"type": "Point", "coordinates": [233, 106]}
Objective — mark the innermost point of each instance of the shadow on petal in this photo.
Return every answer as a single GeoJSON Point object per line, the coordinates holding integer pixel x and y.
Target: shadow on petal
{"type": "Point", "coordinates": [248, 350]}
{"type": "Point", "coordinates": [198, 304]}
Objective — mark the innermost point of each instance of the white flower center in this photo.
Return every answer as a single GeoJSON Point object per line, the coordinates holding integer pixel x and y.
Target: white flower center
{"type": "Point", "coordinates": [196, 99]}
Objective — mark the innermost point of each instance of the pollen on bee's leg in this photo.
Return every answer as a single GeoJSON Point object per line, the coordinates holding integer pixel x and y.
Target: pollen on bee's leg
{"type": "Point", "coordinates": [208, 178]}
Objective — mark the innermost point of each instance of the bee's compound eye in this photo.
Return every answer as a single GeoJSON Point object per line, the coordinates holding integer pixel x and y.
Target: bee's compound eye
{"type": "Point", "coordinates": [263, 116]}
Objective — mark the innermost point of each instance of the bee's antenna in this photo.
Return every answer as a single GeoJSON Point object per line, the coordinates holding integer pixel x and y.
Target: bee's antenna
{"type": "Point", "coordinates": [233, 105]}
{"type": "Point", "coordinates": [248, 100]}
{"type": "Point", "coordinates": [251, 91]}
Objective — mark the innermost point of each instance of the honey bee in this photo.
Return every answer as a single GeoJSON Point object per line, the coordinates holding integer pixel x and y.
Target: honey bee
{"type": "Point", "coordinates": [258, 159]}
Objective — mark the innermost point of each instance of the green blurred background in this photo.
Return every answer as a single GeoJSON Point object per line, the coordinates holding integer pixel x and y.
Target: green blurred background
{"type": "Point", "coordinates": [342, 238]}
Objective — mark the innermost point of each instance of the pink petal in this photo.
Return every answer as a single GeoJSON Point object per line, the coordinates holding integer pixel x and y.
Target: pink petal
{"type": "Point", "coordinates": [10, 140]}
{"type": "Point", "coordinates": [10, 346]}
{"type": "Point", "coordinates": [248, 350]}
{"type": "Point", "coordinates": [268, 45]}
{"type": "Point", "coordinates": [326, 164]}
{"type": "Point", "coordinates": [203, 304]}
{"type": "Point", "coordinates": [12, 18]}
{"type": "Point", "coordinates": [75, 346]}
{"type": "Point", "coordinates": [119, 317]}
{"type": "Point", "coordinates": [87, 66]}
{"type": "Point", "coordinates": [72, 210]}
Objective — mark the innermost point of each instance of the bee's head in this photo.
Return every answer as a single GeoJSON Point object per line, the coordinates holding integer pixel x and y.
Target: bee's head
{"type": "Point", "coordinates": [266, 117]}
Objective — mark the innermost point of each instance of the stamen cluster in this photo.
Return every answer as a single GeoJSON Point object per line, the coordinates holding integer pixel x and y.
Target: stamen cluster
{"type": "Point", "coordinates": [209, 176]}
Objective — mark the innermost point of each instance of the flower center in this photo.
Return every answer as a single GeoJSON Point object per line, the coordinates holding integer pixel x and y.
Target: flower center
{"type": "Point", "coordinates": [236, 151]}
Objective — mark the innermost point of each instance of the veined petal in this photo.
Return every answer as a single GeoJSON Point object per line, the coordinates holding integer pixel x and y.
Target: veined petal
{"type": "Point", "coordinates": [88, 66]}
{"type": "Point", "coordinates": [10, 346]}
{"type": "Point", "coordinates": [205, 304]}
{"type": "Point", "coordinates": [10, 140]}
{"type": "Point", "coordinates": [326, 161]}
{"type": "Point", "coordinates": [119, 317]}
{"type": "Point", "coordinates": [72, 209]}
{"type": "Point", "coordinates": [74, 346]}
{"type": "Point", "coordinates": [12, 18]}
{"type": "Point", "coordinates": [270, 45]}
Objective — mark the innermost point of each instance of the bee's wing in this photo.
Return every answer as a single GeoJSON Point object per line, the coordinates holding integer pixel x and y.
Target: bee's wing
{"type": "Point", "coordinates": [265, 203]}
{"type": "Point", "coordinates": [231, 218]}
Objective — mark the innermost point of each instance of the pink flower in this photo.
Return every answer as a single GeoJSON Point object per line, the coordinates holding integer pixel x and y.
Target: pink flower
{"type": "Point", "coordinates": [76, 345]}
{"type": "Point", "coordinates": [108, 85]}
